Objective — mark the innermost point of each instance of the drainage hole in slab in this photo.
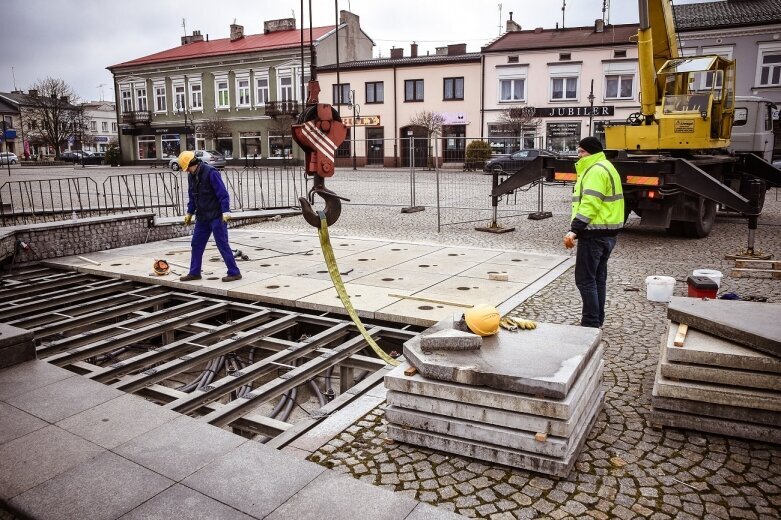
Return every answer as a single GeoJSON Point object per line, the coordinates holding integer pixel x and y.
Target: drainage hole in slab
{"type": "Point", "coordinates": [388, 279]}
{"type": "Point", "coordinates": [322, 272]}
{"type": "Point", "coordinates": [272, 287]}
{"type": "Point", "coordinates": [395, 249]}
{"type": "Point", "coordinates": [454, 254]}
{"type": "Point", "coordinates": [114, 265]}
{"type": "Point", "coordinates": [212, 278]}
{"type": "Point", "coordinates": [426, 308]}
{"type": "Point", "coordinates": [265, 265]}
{"type": "Point", "coordinates": [463, 288]}
{"type": "Point", "coordinates": [343, 245]}
{"type": "Point", "coordinates": [424, 265]}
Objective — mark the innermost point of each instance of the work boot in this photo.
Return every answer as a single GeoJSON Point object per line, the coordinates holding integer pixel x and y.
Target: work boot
{"type": "Point", "coordinates": [231, 278]}
{"type": "Point", "coordinates": [188, 277]}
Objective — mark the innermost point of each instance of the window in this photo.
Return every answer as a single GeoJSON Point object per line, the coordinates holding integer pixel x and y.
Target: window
{"type": "Point", "coordinates": [141, 99]}
{"type": "Point", "coordinates": [171, 146]}
{"type": "Point", "coordinates": [127, 101]}
{"type": "Point", "coordinates": [375, 92]}
{"type": "Point", "coordinates": [242, 92]}
{"type": "Point", "coordinates": [286, 88]}
{"type": "Point", "coordinates": [114, 127]}
{"type": "Point", "coordinates": [770, 68]}
{"type": "Point", "coordinates": [345, 149]}
{"type": "Point", "coordinates": [280, 146]}
{"type": "Point", "coordinates": [104, 126]}
{"type": "Point", "coordinates": [512, 89]}
{"type": "Point", "coordinates": [563, 137]}
{"type": "Point", "coordinates": [93, 126]}
{"type": "Point", "coordinates": [196, 96]}
{"type": "Point", "coordinates": [146, 147]}
{"type": "Point", "coordinates": [179, 99]}
{"type": "Point", "coordinates": [707, 78]}
{"type": "Point", "coordinates": [160, 104]}
{"type": "Point", "coordinates": [261, 90]}
{"type": "Point", "coordinates": [512, 59]}
{"type": "Point", "coordinates": [454, 88]}
{"type": "Point", "coordinates": [250, 144]}
{"type": "Point", "coordinates": [224, 144]}
{"type": "Point", "coordinates": [200, 142]}
{"type": "Point", "coordinates": [413, 90]}
{"type": "Point", "coordinates": [564, 88]}
{"type": "Point", "coordinates": [619, 53]}
{"type": "Point", "coordinates": [221, 92]}
{"type": "Point", "coordinates": [341, 94]}
{"type": "Point", "coordinates": [619, 86]}
{"type": "Point", "coordinates": [565, 56]}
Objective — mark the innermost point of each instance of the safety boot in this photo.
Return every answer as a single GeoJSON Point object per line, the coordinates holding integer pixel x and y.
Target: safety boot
{"type": "Point", "coordinates": [231, 278]}
{"type": "Point", "coordinates": [188, 277]}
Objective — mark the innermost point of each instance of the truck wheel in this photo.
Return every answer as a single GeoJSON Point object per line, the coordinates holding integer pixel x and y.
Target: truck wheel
{"type": "Point", "coordinates": [703, 223]}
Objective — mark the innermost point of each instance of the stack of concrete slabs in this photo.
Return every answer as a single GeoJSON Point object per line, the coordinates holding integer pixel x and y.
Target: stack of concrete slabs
{"type": "Point", "coordinates": [714, 384]}
{"type": "Point", "coordinates": [526, 399]}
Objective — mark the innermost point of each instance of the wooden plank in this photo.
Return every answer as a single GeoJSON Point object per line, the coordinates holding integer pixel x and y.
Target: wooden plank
{"type": "Point", "coordinates": [680, 336]}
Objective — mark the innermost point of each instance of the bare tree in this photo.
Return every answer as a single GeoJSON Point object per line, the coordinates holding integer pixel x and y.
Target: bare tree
{"type": "Point", "coordinates": [519, 121]}
{"type": "Point", "coordinates": [282, 125]}
{"type": "Point", "coordinates": [54, 114]}
{"type": "Point", "coordinates": [214, 127]}
{"type": "Point", "coordinates": [432, 122]}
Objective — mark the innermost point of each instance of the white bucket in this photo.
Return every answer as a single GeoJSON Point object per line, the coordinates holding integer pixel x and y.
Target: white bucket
{"type": "Point", "coordinates": [659, 288]}
{"type": "Point", "coordinates": [710, 273]}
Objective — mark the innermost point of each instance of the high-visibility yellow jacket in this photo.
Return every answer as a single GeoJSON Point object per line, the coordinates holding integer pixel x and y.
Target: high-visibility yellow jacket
{"type": "Point", "coordinates": [597, 198]}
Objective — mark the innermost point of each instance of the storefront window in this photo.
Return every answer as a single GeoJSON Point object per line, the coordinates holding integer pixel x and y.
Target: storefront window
{"type": "Point", "coordinates": [344, 149]}
{"type": "Point", "coordinates": [171, 146]}
{"type": "Point", "coordinates": [200, 142]}
{"type": "Point", "coordinates": [250, 144]}
{"type": "Point", "coordinates": [280, 146]}
{"type": "Point", "coordinates": [563, 137]}
{"type": "Point", "coordinates": [225, 145]}
{"type": "Point", "coordinates": [503, 139]}
{"type": "Point", "coordinates": [147, 149]}
{"type": "Point", "coordinates": [599, 131]}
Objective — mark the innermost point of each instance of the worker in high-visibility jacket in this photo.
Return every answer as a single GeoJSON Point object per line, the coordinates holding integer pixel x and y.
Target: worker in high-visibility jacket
{"type": "Point", "coordinates": [597, 217]}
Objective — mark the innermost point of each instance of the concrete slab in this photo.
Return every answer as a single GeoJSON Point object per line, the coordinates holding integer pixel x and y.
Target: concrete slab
{"type": "Point", "coordinates": [179, 447]}
{"type": "Point", "coordinates": [253, 478]}
{"type": "Point", "coordinates": [496, 454]}
{"type": "Point", "coordinates": [183, 503]}
{"type": "Point", "coordinates": [705, 349]}
{"type": "Point", "coordinates": [16, 345]}
{"type": "Point", "coordinates": [467, 291]}
{"type": "Point", "coordinates": [401, 279]}
{"type": "Point", "coordinates": [281, 290]}
{"type": "Point", "coordinates": [281, 264]}
{"type": "Point", "coordinates": [562, 409]}
{"type": "Point", "coordinates": [521, 258]}
{"type": "Point", "coordinates": [92, 490]}
{"type": "Point", "coordinates": [415, 312]}
{"type": "Point", "coordinates": [752, 324]}
{"type": "Point", "coordinates": [499, 417]}
{"type": "Point", "coordinates": [338, 497]}
{"type": "Point", "coordinates": [734, 413]}
{"type": "Point", "coordinates": [437, 265]}
{"type": "Point", "coordinates": [26, 377]}
{"type": "Point", "coordinates": [336, 423]}
{"type": "Point", "coordinates": [117, 421]}
{"type": "Point", "coordinates": [17, 423]}
{"type": "Point", "coordinates": [461, 254]}
{"type": "Point", "coordinates": [515, 273]}
{"type": "Point", "coordinates": [366, 299]}
{"type": "Point", "coordinates": [450, 339]}
{"type": "Point", "coordinates": [39, 456]}
{"type": "Point", "coordinates": [427, 512]}
{"type": "Point", "coordinates": [559, 353]}
{"type": "Point", "coordinates": [757, 432]}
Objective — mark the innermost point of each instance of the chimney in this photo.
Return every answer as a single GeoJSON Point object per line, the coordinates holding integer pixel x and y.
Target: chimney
{"type": "Point", "coordinates": [237, 32]}
{"type": "Point", "coordinates": [599, 25]}
{"type": "Point", "coordinates": [33, 93]}
{"type": "Point", "coordinates": [456, 49]}
{"type": "Point", "coordinates": [537, 30]}
{"type": "Point", "coordinates": [283, 24]}
{"type": "Point", "coordinates": [441, 51]}
{"type": "Point", "coordinates": [413, 50]}
{"type": "Point", "coordinates": [196, 37]}
{"type": "Point", "coordinates": [511, 25]}
{"type": "Point", "coordinates": [397, 53]}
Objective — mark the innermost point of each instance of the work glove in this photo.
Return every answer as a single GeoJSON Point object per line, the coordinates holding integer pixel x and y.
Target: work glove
{"type": "Point", "coordinates": [226, 217]}
{"type": "Point", "coordinates": [569, 240]}
{"type": "Point", "coordinates": [506, 324]}
{"type": "Point", "coordinates": [188, 219]}
{"type": "Point", "coordinates": [514, 324]}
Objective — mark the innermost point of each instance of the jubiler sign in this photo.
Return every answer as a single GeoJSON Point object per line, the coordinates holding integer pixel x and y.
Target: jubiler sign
{"type": "Point", "coordinates": [574, 111]}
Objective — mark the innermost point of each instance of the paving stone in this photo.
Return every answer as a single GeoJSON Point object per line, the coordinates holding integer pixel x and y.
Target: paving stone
{"type": "Point", "coordinates": [449, 340]}
{"type": "Point", "coordinates": [16, 423]}
{"type": "Point", "coordinates": [183, 503]}
{"type": "Point", "coordinates": [26, 377]}
{"type": "Point", "coordinates": [427, 512]}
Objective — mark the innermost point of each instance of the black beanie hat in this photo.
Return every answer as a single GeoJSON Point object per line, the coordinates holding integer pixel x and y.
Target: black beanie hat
{"type": "Point", "coordinates": [591, 144]}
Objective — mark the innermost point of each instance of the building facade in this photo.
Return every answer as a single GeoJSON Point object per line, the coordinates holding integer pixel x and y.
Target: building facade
{"type": "Point", "coordinates": [101, 120]}
{"type": "Point", "coordinates": [10, 117]}
{"type": "Point", "coordinates": [236, 95]}
{"type": "Point", "coordinates": [33, 136]}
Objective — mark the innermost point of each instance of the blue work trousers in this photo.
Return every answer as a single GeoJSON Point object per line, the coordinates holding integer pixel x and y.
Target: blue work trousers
{"type": "Point", "coordinates": [204, 229]}
{"type": "Point", "coordinates": [591, 277]}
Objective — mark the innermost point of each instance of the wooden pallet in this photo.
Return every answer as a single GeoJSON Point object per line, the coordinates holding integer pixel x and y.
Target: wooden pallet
{"type": "Point", "coordinates": [744, 268]}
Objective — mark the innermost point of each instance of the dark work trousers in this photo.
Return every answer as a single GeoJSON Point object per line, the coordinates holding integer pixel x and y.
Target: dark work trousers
{"type": "Point", "coordinates": [203, 229]}
{"type": "Point", "coordinates": [591, 277]}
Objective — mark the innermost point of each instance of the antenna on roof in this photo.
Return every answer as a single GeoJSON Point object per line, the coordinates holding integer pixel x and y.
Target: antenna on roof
{"type": "Point", "coordinates": [13, 75]}
{"type": "Point", "coordinates": [184, 26]}
{"type": "Point", "coordinates": [500, 18]}
{"type": "Point", "coordinates": [563, 7]}
{"type": "Point", "coordinates": [606, 9]}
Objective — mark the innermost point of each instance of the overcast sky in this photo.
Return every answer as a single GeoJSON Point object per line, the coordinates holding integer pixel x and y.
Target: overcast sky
{"type": "Point", "coordinates": [77, 39]}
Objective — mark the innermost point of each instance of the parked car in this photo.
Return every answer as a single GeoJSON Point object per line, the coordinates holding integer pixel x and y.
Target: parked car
{"type": "Point", "coordinates": [512, 163]}
{"type": "Point", "coordinates": [208, 156]}
{"type": "Point", "coordinates": [93, 158]}
{"type": "Point", "coordinates": [73, 156]}
{"type": "Point", "coordinates": [8, 157]}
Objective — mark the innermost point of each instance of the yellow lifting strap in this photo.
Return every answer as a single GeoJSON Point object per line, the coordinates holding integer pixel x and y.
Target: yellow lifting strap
{"type": "Point", "coordinates": [336, 278]}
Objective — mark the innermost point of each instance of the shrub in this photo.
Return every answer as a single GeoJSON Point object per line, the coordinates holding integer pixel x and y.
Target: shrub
{"type": "Point", "coordinates": [477, 152]}
{"type": "Point", "coordinates": [112, 154]}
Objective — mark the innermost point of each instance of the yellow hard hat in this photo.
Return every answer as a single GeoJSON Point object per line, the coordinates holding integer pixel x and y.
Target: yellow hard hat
{"type": "Point", "coordinates": [482, 319]}
{"type": "Point", "coordinates": [185, 159]}
{"type": "Point", "coordinates": [160, 267]}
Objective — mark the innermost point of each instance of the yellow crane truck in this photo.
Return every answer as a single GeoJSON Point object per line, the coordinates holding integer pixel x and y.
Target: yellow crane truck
{"type": "Point", "coordinates": [674, 156]}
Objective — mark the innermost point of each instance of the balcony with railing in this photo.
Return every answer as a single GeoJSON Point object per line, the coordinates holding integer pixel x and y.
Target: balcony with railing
{"type": "Point", "coordinates": [137, 117]}
{"type": "Point", "coordinates": [282, 108]}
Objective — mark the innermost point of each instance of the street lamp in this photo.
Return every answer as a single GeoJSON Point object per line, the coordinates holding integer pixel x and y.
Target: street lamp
{"type": "Point", "coordinates": [591, 110]}
{"type": "Point", "coordinates": [356, 108]}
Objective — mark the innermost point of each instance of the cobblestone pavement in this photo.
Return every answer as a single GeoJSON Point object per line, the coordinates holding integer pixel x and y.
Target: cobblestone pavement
{"type": "Point", "coordinates": [627, 469]}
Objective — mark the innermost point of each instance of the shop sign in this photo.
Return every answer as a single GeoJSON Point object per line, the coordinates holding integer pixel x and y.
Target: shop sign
{"type": "Point", "coordinates": [563, 129]}
{"type": "Point", "coordinates": [586, 111]}
{"type": "Point", "coordinates": [101, 139]}
{"type": "Point", "coordinates": [362, 121]}
{"type": "Point", "coordinates": [454, 118]}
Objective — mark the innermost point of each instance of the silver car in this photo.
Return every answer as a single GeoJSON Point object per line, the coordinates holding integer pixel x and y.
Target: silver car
{"type": "Point", "coordinates": [210, 157]}
{"type": "Point", "coordinates": [8, 157]}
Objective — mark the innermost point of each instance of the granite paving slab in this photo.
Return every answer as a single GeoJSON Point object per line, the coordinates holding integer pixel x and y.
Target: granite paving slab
{"type": "Point", "coordinates": [179, 447]}
{"type": "Point", "coordinates": [64, 398]}
{"type": "Point", "coordinates": [701, 348]}
{"type": "Point", "coordinates": [562, 409]}
{"type": "Point", "coordinates": [459, 254]}
{"type": "Point", "coordinates": [736, 413]}
{"type": "Point", "coordinates": [26, 377]}
{"type": "Point", "coordinates": [545, 361]}
{"type": "Point", "coordinates": [10, 335]}
{"type": "Point", "coordinates": [183, 503]}
{"type": "Point", "coordinates": [282, 289]}
{"type": "Point", "coordinates": [15, 423]}
{"type": "Point", "coordinates": [102, 488]}
{"type": "Point", "coordinates": [515, 273]}
{"type": "Point", "coordinates": [468, 291]}
{"type": "Point", "coordinates": [338, 497]}
{"type": "Point", "coordinates": [40, 455]}
{"type": "Point", "coordinates": [753, 324]}
{"type": "Point", "coordinates": [427, 512]}
{"type": "Point", "coordinates": [449, 267]}
{"type": "Point", "coordinates": [742, 430]}
{"type": "Point", "coordinates": [395, 279]}
{"type": "Point", "coordinates": [117, 421]}
{"type": "Point", "coordinates": [253, 478]}
{"type": "Point", "coordinates": [366, 299]}
{"type": "Point", "coordinates": [524, 259]}
{"type": "Point", "coordinates": [416, 312]}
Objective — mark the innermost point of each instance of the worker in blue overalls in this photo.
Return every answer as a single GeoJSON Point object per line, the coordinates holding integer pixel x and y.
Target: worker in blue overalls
{"type": "Point", "coordinates": [209, 203]}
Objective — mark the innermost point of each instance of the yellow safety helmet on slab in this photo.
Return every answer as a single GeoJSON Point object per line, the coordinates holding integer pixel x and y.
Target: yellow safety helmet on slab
{"type": "Point", "coordinates": [186, 159]}
{"type": "Point", "coordinates": [160, 267]}
{"type": "Point", "coordinates": [482, 319]}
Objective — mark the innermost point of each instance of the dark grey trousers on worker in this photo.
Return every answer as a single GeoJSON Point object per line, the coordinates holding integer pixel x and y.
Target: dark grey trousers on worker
{"type": "Point", "coordinates": [591, 277]}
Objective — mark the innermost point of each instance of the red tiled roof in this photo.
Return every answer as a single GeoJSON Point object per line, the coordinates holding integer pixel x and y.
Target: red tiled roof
{"type": "Point", "coordinates": [250, 43]}
{"type": "Point", "coordinates": [562, 38]}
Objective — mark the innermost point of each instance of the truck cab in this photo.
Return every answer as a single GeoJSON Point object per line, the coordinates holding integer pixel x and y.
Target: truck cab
{"type": "Point", "coordinates": [752, 126]}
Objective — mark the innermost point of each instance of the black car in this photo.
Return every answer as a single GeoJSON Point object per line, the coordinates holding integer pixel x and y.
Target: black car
{"type": "Point", "coordinates": [512, 163]}
{"type": "Point", "coordinates": [71, 156]}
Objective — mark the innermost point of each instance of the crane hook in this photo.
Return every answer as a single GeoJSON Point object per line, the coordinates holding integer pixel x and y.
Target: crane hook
{"type": "Point", "coordinates": [333, 204]}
